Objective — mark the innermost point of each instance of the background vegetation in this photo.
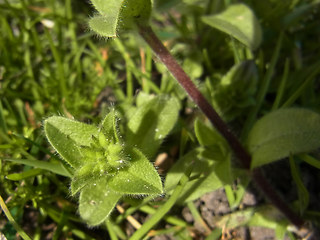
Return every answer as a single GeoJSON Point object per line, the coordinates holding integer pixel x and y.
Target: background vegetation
{"type": "Point", "coordinates": [50, 64]}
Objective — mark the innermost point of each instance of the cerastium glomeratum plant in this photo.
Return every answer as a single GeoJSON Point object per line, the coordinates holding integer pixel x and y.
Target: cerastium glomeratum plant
{"type": "Point", "coordinates": [105, 166]}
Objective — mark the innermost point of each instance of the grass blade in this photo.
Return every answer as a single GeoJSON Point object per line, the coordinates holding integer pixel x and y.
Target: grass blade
{"type": "Point", "coordinates": [12, 221]}
{"type": "Point", "coordinates": [56, 168]}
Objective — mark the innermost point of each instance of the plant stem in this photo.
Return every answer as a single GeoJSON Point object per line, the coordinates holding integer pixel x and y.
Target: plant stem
{"type": "Point", "coordinates": [274, 198]}
{"type": "Point", "coordinates": [184, 80]}
{"type": "Point", "coordinates": [175, 69]}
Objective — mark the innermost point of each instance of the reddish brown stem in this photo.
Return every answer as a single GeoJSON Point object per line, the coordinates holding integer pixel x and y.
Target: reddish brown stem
{"type": "Point", "coordinates": [175, 69]}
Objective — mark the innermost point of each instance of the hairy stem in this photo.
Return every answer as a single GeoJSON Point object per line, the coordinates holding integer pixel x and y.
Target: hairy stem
{"type": "Point", "coordinates": [175, 69]}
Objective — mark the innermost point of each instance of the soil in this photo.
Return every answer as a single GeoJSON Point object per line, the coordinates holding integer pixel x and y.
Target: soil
{"type": "Point", "coordinates": [278, 174]}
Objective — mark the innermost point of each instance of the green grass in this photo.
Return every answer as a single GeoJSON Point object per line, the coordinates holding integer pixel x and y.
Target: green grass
{"type": "Point", "coordinates": [65, 69]}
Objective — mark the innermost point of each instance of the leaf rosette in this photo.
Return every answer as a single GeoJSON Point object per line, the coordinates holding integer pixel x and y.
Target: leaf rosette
{"type": "Point", "coordinates": [104, 167]}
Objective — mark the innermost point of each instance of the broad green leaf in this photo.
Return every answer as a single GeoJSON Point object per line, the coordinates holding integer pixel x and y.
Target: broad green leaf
{"type": "Point", "coordinates": [140, 177]}
{"type": "Point", "coordinates": [136, 11]}
{"type": "Point", "coordinates": [104, 26]}
{"type": "Point", "coordinates": [193, 68]}
{"type": "Point", "coordinates": [283, 132]}
{"type": "Point", "coordinates": [151, 123]}
{"type": "Point", "coordinates": [143, 98]}
{"type": "Point", "coordinates": [215, 176]}
{"type": "Point", "coordinates": [108, 8]}
{"type": "Point", "coordinates": [239, 21]}
{"type": "Point", "coordinates": [64, 145]}
{"type": "Point", "coordinates": [116, 14]}
{"type": "Point", "coordinates": [96, 202]}
{"type": "Point", "coordinates": [79, 132]}
{"type": "Point", "coordinates": [176, 171]}
{"type": "Point", "coordinates": [56, 168]}
{"type": "Point", "coordinates": [208, 136]}
{"type": "Point", "coordinates": [208, 174]}
{"type": "Point", "coordinates": [66, 136]}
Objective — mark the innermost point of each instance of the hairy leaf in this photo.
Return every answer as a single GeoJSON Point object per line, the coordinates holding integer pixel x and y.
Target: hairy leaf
{"type": "Point", "coordinates": [97, 201]}
{"type": "Point", "coordinates": [208, 174]}
{"type": "Point", "coordinates": [66, 136]}
{"type": "Point", "coordinates": [283, 132]}
{"type": "Point", "coordinates": [108, 8]}
{"type": "Point", "coordinates": [151, 123]}
{"type": "Point", "coordinates": [88, 174]}
{"type": "Point", "coordinates": [140, 177]}
{"type": "Point", "coordinates": [117, 14]}
{"type": "Point", "coordinates": [104, 26]}
{"type": "Point", "coordinates": [208, 136]}
{"type": "Point", "coordinates": [239, 21]}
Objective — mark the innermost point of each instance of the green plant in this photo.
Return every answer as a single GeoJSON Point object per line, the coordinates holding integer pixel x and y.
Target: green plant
{"type": "Point", "coordinates": [236, 22]}
{"type": "Point", "coordinates": [106, 166]}
{"type": "Point", "coordinates": [98, 157]}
